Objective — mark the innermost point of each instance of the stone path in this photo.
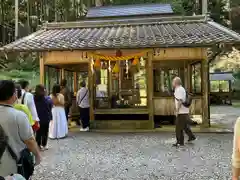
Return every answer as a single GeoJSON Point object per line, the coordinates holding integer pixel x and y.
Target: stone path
{"type": "Point", "coordinates": [225, 115]}
{"type": "Point", "coordinates": [143, 156]}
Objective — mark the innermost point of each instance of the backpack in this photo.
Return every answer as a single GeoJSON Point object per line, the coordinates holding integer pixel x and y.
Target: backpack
{"type": "Point", "coordinates": [187, 103]}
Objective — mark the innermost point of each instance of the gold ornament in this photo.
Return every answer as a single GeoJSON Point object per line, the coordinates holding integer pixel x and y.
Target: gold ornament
{"type": "Point", "coordinates": [115, 68]}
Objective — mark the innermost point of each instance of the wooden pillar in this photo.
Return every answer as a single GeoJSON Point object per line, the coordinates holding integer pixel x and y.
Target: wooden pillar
{"type": "Point", "coordinates": [110, 87]}
{"type": "Point", "coordinates": [91, 89]}
{"type": "Point", "coordinates": [62, 74]}
{"type": "Point", "coordinates": [185, 75]}
{"type": "Point", "coordinates": [150, 89]}
{"type": "Point", "coordinates": [75, 81]}
{"type": "Point", "coordinates": [41, 64]}
{"type": "Point", "coordinates": [205, 98]}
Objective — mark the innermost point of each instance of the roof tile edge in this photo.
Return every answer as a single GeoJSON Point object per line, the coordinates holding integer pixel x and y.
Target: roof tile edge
{"type": "Point", "coordinates": [128, 21]}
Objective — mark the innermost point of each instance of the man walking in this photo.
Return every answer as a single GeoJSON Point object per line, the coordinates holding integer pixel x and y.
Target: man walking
{"type": "Point", "coordinates": [17, 128]}
{"type": "Point", "coordinates": [182, 113]}
{"type": "Point", "coordinates": [67, 97]}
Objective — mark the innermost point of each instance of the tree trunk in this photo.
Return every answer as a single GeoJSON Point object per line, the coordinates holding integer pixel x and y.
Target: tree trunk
{"type": "Point", "coordinates": [2, 21]}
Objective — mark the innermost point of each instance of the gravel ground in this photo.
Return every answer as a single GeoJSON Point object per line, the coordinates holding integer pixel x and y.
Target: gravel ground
{"type": "Point", "coordinates": [226, 115]}
{"type": "Point", "coordinates": [141, 156]}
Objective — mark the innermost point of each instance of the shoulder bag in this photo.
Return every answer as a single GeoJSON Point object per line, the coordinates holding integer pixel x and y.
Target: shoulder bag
{"type": "Point", "coordinates": [25, 165]}
{"type": "Point", "coordinates": [82, 97]}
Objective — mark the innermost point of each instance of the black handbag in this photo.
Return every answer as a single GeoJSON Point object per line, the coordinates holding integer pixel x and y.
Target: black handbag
{"type": "Point", "coordinates": [25, 165]}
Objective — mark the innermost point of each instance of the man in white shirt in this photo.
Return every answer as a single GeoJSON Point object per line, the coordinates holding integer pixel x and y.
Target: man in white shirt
{"type": "Point", "coordinates": [182, 113]}
{"type": "Point", "coordinates": [28, 100]}
{"type": "Point", "coordinates": [82, 100]}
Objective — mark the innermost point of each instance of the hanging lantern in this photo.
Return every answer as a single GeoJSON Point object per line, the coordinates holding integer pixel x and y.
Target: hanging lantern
{"type": "Point", "coordinates": [115, 68]}
{"type": "Point", "coordinates": [97, 64]}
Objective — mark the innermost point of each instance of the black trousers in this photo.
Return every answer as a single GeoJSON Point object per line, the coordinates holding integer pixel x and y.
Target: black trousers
{"type": "Point", "coordinates": [67, 109]}
{"type": "Point", "coordinates": [183, 124]}
{"type": "Point", "coordinates": [42, 134]}
{"type": "Point", "coordinates": [84, 117]}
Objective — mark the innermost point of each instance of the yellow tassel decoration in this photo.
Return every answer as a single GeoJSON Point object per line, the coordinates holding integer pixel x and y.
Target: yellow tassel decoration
{"type": "Point", "coordinates": [115, 68]}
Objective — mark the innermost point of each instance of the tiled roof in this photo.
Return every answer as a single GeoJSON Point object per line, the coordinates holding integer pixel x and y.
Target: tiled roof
{"type": "Point", "coordinates": [129, 10]}
{"type": "Point", "coordinates": [130, 33]}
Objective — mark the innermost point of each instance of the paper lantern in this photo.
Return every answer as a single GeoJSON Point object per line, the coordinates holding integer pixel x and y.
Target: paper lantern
{"type": "Point", "coordinates": [97, 63]}
{"type": "Point", "coordinates": [115, 68]}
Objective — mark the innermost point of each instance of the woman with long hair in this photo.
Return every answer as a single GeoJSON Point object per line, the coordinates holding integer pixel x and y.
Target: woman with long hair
{"type": "Point", "coordinates": [58, 126]}
{"type": "Point", "coordinates": [43, 107]}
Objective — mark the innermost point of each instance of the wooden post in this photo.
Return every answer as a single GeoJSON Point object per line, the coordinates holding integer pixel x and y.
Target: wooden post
{"type": "Point", "coordinates": [62, 74]}
{"type": "Point", "coordinates": [205, 89]}
{"type": "Point", "coordinates": [75, 83]}
{"type": "Point", "coordinates": [150, 89]}
{"type": "Point", "coordinates": [110, 88]}
{"type": "Point", "coordinates": [189, 73]}
{"type": "Point", "coordinates": [91, 90]}
{"type": "Point", "coordinates": [41, 64]}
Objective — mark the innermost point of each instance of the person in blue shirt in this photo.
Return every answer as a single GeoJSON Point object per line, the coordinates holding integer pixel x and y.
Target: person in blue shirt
{"type": "Point", "coordinates": [44, 110]}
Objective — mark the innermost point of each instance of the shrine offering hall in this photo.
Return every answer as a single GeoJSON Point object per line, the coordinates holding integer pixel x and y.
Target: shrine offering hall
{"type": "Point", "coordinates": [128, 62]}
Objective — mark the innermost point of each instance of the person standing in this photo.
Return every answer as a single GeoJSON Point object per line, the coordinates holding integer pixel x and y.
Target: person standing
{"type": "Point", "coordinates": [58, 127]}
{"type": "Point", "coordinates": [182, 113]}
{"type": "Point", "coordinates": [28, 100]}
{"type": "Point", "coordinates": [17, 128]}
{"type": "Point", "coordinates": [44, 108]}
{"type": "Point", "coordinates": [67, 97]}
{"type": "Point", "coordinates": [82, 100]}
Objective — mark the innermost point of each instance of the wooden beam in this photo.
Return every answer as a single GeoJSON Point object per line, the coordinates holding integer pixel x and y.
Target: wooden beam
{"type": "Point", "coordinates": [205, 89]}
{"type": "Point", "coordinates": [150, 88]}
{"type": "Point", "coordinates": [41, 64]}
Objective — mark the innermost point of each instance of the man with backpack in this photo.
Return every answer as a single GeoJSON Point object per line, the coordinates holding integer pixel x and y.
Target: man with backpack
{"type": "Point", "coordinates": [182, 104]}
{"type": "Point", "coordinates": [17, 157]}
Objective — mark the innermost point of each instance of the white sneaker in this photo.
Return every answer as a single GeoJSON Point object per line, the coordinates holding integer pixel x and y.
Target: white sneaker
{"type": "Point", "coordinates": [84, 129]}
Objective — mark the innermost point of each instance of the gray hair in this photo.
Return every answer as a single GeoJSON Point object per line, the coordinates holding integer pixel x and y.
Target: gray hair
{"type": "Point", "coordinates": [177, 80]}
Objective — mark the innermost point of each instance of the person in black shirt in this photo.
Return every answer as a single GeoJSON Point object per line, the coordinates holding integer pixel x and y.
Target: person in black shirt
{"type": "Point", "coordinates": [44, 107]}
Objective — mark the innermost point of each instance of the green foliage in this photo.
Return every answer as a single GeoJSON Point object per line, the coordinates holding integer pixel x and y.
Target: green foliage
{"type": "Point", "coordinates": [16, 75]}
{"type": "Point", "coordinates": [33, 13]}
{"type": "Point", "coordinates": [218, 11]}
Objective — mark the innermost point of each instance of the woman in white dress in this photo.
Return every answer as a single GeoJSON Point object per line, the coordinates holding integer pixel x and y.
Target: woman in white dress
{"type": "Point", "coordinates": [58, 127]}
